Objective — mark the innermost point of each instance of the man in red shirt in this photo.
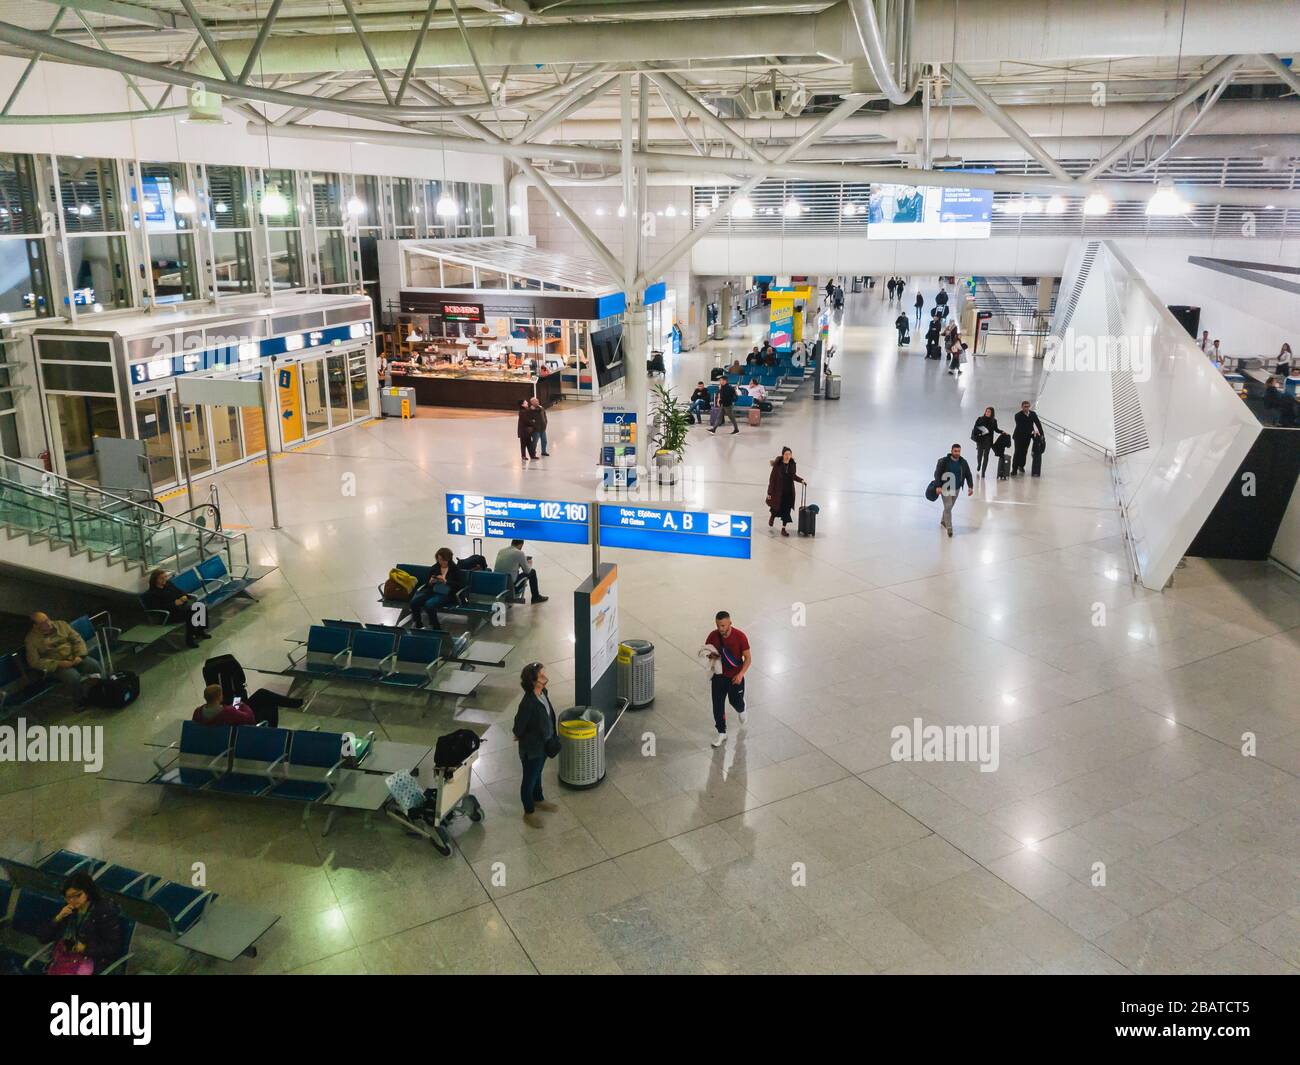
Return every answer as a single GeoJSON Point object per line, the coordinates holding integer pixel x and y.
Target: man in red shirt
{"type": "Point", "coordinates": [215, 712]}
{"type": "Point", "coordinates": [731, 658]}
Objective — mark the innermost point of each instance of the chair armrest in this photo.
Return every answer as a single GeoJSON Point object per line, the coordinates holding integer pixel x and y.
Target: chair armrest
{"type": "Point", "coordinates": [274, 765]}
{"type": "Point", "coordinates": [173, 746]}
{"type": "Point", "coordinates": [47, 949]}
{"type": "Point", "coordinates": [340, 654]}
{"type": "Point", "coordinates": [219, 758]}
{"type": "Point", "coordinates": [157, 617]}
{"type": "Point", "coordinates": [332, 770]}
{"type": "Point", "coordinates": [202, 899]}
{"type": "Point", "coordinates": [118, 964]}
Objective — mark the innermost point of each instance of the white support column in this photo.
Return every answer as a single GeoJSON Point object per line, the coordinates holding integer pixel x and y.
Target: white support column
{"type": "Point", "coordinates": [636, 386]}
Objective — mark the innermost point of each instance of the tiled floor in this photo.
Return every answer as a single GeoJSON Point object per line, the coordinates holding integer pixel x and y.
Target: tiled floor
{"type": "Point", "coordinates": [801, 846]}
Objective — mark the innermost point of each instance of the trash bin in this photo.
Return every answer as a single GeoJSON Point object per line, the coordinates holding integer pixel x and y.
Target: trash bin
{"type": "Point", "coordinates": [636, 673]}
{"type": "Point", "coordinates": [397, 402]}
{"type": "Point", "coordinates": [582, 747]}
{"type": "Point", "coordinates": [832, 386]}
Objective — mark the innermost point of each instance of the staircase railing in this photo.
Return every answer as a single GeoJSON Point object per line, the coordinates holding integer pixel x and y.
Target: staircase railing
{"type": "Point", "coordinates": [103, 523]}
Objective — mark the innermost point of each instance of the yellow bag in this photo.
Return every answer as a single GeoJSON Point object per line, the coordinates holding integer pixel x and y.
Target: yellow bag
{"type": "Point", "coordinates": [399, 585]}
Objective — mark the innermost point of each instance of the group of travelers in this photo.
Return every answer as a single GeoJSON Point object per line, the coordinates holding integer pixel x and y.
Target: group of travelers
{"type": "Point", "coordinates": [531, 430]}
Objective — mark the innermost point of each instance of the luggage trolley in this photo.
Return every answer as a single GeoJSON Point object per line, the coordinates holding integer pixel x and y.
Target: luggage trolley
{"type": "Point", "coordinates": [427, 805]}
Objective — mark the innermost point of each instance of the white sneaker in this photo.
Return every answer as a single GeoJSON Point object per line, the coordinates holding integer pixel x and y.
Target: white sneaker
{"type": "Point", "coordinates": [741, 718]}
{"type": "Point", "coordinates": [720, 739]}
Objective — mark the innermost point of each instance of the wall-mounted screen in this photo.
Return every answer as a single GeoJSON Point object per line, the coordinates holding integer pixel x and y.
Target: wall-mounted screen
{"type": "Point", "coordinates": [918, 212]}
{"type": "Point", "coordinates": [607, 351]}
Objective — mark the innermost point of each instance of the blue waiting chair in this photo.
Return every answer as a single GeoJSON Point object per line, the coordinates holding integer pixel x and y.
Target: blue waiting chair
{"type": "Point", "coordinates": [326, 649]}
{"type": "Point", "coordinates": [313, 764]}
{"type": "Point", "coordinates": [418, 654]}
{"type": "Point", "coordinates": [257, 753]}
{"type": "Point", "coordinates": [370, 653]}
{"type": "Point", "coordinates": [182, 904]}
{"type": "Point", "coordinates": [63, 863]}
{"type": "Point", "coordinates": [204, 756]}
{"type": "Point", "coordinates": [123, 881]}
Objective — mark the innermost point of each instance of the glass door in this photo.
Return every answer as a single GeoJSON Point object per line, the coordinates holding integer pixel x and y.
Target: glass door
{"type": "Point", "coordinates": [315, 404]}
{"type": "Point", "coordinates": [337, 366]}
{"type": "Point", "coordinates": [195, 441]}
{"type": "Point", "coordinates": [153, 425]}
{"type": "Point", "coordinates": [227, 447]}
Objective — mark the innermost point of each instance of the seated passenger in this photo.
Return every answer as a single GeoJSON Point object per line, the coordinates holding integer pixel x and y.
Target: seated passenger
{"type": "Point", "coordinates": [769, 357]}
{"type": "Point", "coordinates": [700, 401]}
{"type": "Point", "coordinates": [163, 595]}
{"type": "Point", "coordinates": [512, 561]}
{"type": "Point", "coordinates": [445, 582]}
{"type": "Point", "coordinates": [756, 391]}
{"type": "Point", "coordinates": [86, 933]}
{"type": "Point", "coordinates": [55, 650]}
{"type": "Point", "coordinates": [215, 712]}
{"type": "Point", "coordinates": [735, 367]}
{"type": "Point", "coordinates": [753, 358]}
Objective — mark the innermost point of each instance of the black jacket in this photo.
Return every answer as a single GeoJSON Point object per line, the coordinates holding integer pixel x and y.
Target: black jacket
{"type": "Point", "coordinates": [100, 932]}
{"type": "Point", "coordinates": [920, 301]}
{"type": "Point", "coordinates": [534, 725]}
{"type": "Point", "coordinates": [455, 578]}
{"type": "Point", "coordinates": [985, 439]}
{"type": "Point", "coordinates": [727, 394]}
{"type": "Point", "coordinates": [164, 598]}
{"type": "Point", "coordinates": [941, 297]}
{"type": "Point", "coordinates": [941, 467]}
{"type": "Point", "coordinates": [701, 394]}
{"type": "Point", "coordinates": [527, 423]}
{"type": "Point", "coordinates": [901, 323]}
{"type": "Point", "coordinates": [1026, 425]}
{"type": "Point", "coordinates": [539, 419]}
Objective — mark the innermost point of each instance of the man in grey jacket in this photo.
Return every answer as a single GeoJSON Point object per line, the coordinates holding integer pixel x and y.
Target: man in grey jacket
{"type": "Point", "coordinates": [519, 566]}
{"type": "Point", "coordinates": [55, 649]}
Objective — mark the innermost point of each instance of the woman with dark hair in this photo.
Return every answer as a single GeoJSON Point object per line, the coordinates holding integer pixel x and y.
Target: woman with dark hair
{"type": "Point", "coordinates": [535, 732]}
{"type": "Point", "coordinates": [524, 430]}
{"type": "Point", "coordinates": [984, 435]}
{"type": "Point", "coordinates": [780, 489]}
{"type": "Point", "coordinates": [446, 579]}
{"type": "Point", "coordinates": [86, 933]}
{"type": "Point", "coordinates": [162, 594]}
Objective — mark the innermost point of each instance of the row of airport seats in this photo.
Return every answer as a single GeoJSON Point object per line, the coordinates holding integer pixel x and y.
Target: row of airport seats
{"type": "Point", "coordinates": [211, 583]}
{"type": "Point", "coordinates": [476, 601]}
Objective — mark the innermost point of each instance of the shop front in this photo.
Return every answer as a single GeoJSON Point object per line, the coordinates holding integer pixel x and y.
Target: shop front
{"type": "Point", "coordinates": [109, 386]}
{"type": "Point", "coordinates": [487, 323]}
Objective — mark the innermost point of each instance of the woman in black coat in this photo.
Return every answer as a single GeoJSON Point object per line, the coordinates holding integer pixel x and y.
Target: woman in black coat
{"type": "Point", "coordinates": [780, 489]}
{"type": "Point", "coordinates": [525, 429]}
{"type": "Point", "coordinates": [163, 595]}
{"type": "Point", "coordinates": [89, 925]}
{"type": "Point", "coordinates": [535, 732]}
{"type": "Point", "coordinates": [445, 583]}
{"type": "Point", "coordinates": [984, 434]}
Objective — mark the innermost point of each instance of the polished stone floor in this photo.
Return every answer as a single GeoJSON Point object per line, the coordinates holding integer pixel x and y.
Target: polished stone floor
{"type": "Point", "coordinates": [1123, 830]}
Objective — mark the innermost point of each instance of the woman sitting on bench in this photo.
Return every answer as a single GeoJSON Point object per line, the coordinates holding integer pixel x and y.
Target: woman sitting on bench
{"type": "Point", "coordinates": [163, 595]}
{"type": "Point", "coordinates": [444, 584]}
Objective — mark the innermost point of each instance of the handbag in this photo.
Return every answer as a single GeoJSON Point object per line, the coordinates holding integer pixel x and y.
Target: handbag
{"type": "Point", "coordinates": [1039, 445]}
{"type": "Point", "coordinates": [67, 962]}
{"type": "Point", "coordinates": [552, 746]}
{"type": "Point", "coordinates": [932, 491]}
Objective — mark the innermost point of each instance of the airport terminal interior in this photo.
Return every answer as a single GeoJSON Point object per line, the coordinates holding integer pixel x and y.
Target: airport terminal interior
{"type": "Point", "coordinates": [649, 487]}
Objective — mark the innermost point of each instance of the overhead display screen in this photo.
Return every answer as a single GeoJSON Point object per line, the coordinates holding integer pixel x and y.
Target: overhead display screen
{"type": "Point", "coordinates": [918, 212]}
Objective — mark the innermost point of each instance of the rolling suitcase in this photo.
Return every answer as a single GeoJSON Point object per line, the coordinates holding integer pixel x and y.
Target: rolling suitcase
{"type": "Point", "coordinates": [807, 514]}
{"type": "Point", "coordinates": [715, 416]}
{"type": "Point", "coordinates": [756, 418]}
{"type": "Point", "coordinates": [1004, 467]}
{"type": "Point", "coordinates": [114, 691]}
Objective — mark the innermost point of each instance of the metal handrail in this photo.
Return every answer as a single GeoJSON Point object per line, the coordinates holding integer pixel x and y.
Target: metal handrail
{"type": "Point", "coordinates": [81, 486]}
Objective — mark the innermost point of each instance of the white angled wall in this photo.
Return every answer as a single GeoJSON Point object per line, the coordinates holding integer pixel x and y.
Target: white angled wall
{"type": "Point", "coordinates": [1178, 430]}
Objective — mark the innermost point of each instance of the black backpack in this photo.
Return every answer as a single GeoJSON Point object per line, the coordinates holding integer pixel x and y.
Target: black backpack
{"type": "Point", "coordinates": [473, 562]}
{"type": "Point", "coordinates": [226, 671]}
{"type": "Point", "coordinates": [452, 749]}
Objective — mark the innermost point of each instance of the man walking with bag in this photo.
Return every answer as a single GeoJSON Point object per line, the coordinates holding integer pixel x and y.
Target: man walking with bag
{"type": "Point", "coordinates": [950, 473]}
{"type": "Point", "coordinates": [728, 649]}
{"type": "Point", "coordinates": [1028, 427]}
{"type": "Point", "coordinates": [727, 405]}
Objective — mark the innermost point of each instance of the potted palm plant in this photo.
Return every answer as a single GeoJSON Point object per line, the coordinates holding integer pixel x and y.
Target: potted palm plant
{"type": "Point", "coordinates": [671, 423]}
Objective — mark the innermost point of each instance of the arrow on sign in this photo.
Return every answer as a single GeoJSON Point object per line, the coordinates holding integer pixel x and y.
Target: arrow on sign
{"type": "Point", "coordinates": [455, 524]}
{"type": "Point", "coordinates": [455, 503]}
{"type": "Point", "coordinates": [742, 525]}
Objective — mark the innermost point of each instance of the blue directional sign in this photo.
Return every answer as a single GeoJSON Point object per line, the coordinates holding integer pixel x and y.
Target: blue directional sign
{"type": "Point", "coordinates": [683, 532]}
{"type": "Point", "coordinates": [551, 520]}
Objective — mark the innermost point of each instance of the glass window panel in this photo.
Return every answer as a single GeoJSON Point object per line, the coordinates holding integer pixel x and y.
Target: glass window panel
{"type": "Point", "coordinates": [194, 437]}
{"type": "Point", "coordinates": [9, 436]}
{"type": "Point", "coordinates": [286, 258]}
{"type": "Point", "coordinates": [98, 264]}
{"type": "Point", "coordinates": [367, 191]}
{"type": "Point", "coordinates": [164, 186]}
{"type": "Point", "coordinates": [233, 262]}
{"type": "Point", "coordinates": [75, 378]}
{"type": "Point", "coordinates": [279, 213]}
{"type": "Point", "coordinates": [454, 275]}
{"type": "Point", "coordinates": [487, 217]}
{"type": "Point", "coordinates": [326, 199]}
{"type": "Point", "coordinates": [313, 387]}
{"type": "Point", "coordinates": [58, 348]}
{"type": "Point", "coordinates": [333, 258]}
{"type": "Point", "coordinates": [19, 210]}
{"type": "Point", "coordinates": [228, 191]}
{"type": "Point", "coordinates": [337, 367]}
{"type": "Point", "coordinates": [24, 282]}
{"type": "Point", "coordinates": [91, 198]}
{"type": "Point", "coordinates": [171, 263]}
